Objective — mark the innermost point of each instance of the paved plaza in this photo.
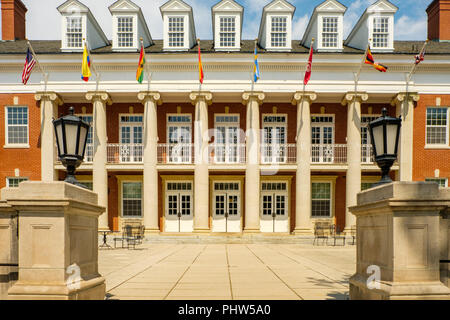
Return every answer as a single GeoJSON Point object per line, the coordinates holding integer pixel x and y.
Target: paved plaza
{"type": "Point", "coordinates": [163, 271]}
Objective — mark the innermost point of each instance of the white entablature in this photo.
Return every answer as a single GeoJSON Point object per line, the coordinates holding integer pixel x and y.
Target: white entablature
{"type": "Point", "coordinates": [377, 24]}
{"type": "Point", "coordinates": [275, 31]}
{"type": "Point", "coordinates": [179, 28]}
{"type": "Point", "coordinates": [78, 23]}
{"type": "Point", "coordinates": [128, 26]}
{"type": "Point", "coordinates": [326, 26]}
{"type": "Point", "coordinates": [227, 19]}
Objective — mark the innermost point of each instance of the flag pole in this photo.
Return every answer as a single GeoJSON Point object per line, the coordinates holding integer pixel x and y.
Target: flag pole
{"type": "Point", "coordinates": [199, 50]}
{"type": "Point", "coordinates": [414, 67]}
{"type": "Point", "coordinates": [97, 75]}
{"type": "Point", "coordinates": [45, 74]}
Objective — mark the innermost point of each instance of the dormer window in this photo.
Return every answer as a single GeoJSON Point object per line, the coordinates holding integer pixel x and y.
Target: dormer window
{"type": "Point", "coordinates": [380, 32]}
{"type": "Point", "coordinates": [125, 33]}
{"type": "Point", "coordinates": [227, 31]}
{"type": "Point", "coordinates": [74, 34]}
{"type": "Point", "coordinates": [330, 32]}
{"type": "Point", "coordinates": [279, 32]}
{"type": "Point", "coordinates": [176, 32]}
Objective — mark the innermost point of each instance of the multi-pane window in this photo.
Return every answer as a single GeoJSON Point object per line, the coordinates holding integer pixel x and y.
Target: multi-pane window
{"type": "Point", "coordinates": [227, 31]}
{"type": "Point", "coordinates": [274, 139]}
{"type": "Point", "coordinates": [442, 182]}
{"type": "Point", "coordinates": [227, 139]}
{"type": "Point", "coordinates": [74, 34]}
{"type": "Point", "coordinates": [226, 186]}
{"type": "Point", "coordinates": [273, 186]}
{"type": "Point", "coordinates": [14, 182]}
{"type": "Point", "coordinates": [279, 32]}
{"type": "Point", "coordinates": [176, 32]}
{"type": "Point", "coordinates": [330, 32]}
{"type": "Point", "coordinates": [132, 199]}
{"type": "Point", "coordinates": [125, 32]}
{"type": "Point", "coordinates": [89, 153]}
{"type": "Point", "coordinates": [179, 138]}
{"type": "Point", "coordinates": [179, 186]}
{"type": "Point", "coordinates": [380, 32]}
{"type": "Point", "coordinates": [321, 199]}
{"type": "Point", "coordinates": [16, 125]}
{"type": "Point", "coordinates": [131, 138]}
{"type": "Point", "coordinates": [437, 126]}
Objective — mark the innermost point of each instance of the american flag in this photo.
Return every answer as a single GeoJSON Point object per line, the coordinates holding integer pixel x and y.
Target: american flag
{"type": "Point", "coordinates": [28, 67]}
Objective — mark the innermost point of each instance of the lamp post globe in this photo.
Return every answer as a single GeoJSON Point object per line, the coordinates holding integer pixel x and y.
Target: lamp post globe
{"type": "Point", "coordinates": [71, 137]}
{"type": "Point", "coordinates": [385, 134]}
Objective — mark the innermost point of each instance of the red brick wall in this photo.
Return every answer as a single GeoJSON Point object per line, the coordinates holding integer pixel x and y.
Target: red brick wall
{"type": "Point", "coordinates": [439, 20]}
{"type": "Point", "coordinates": [427, 160]}
{"type": "Point", "coordinates": [28, 161]}
{"type": "Point", "coordinates": [13, 19]}
{"type": "Point", "coordinates": [166, 108]}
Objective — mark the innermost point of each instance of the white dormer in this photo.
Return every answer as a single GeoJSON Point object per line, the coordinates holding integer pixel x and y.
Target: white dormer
{"type": "Point", "coordinates": [77, 22]}
{"type": "Point", "coordinates": [179, 28]}
{"type": "Point", "coordinates": [326, 26]}
{"type": "Point", "coordinates": [275, 31]}
{"type": "Point", "coordinates": [227, 25]}
{"type": "Point", "coordinates": [376, 23]}
{"type": "Point", "coordinates": [128, 26]}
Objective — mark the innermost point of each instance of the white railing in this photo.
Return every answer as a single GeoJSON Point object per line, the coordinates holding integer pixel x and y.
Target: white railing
{"type": "Point", "coordinates": [89, 153]}
{"type": "Point", "coordinates": [175, 153]}
{"type": "Point", "coordinates": [227, 153]}
{"type": "Point", "coordinates": [125, 153]}
{"type": "Point", "coordinates": [329, 153]}
{"type": "Point", "coordinates": [278, 153]}
{"type": "Point", "coordinates": [367, 153]}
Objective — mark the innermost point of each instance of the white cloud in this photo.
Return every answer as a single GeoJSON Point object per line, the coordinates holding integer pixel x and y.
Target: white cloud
{"type": "Point", "coordinates": [299, 26]}
{"type": "Point", "coordinates": [407, 28]}
{"type": "Point", "coordinates": [354, 12]}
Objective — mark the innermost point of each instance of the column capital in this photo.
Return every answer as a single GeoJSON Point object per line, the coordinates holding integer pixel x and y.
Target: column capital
{"type": "Point", "coordinates": [401, 97]}
{"type": "Point", "coordinates": [145, 96]}
{"type": "Point", "coordinates": [300, 95]}
{"type": "Point", "coordinates": [103, 96]}
{"type": "Point", "coordinates": [248, 96]}
{"type": "Point", "coordinates": [351, 96]}
{"type": "Point", "coordinates": [51, 96]}
{"type": "Point", "coordinates": [206, 96]}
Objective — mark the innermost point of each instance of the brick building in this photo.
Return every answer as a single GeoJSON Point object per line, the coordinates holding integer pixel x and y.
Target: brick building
{"type": "Point", "coordinates": [274, 158]}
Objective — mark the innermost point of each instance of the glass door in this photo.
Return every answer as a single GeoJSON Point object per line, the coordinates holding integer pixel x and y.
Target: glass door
{"type": "Point", "coordinates": [131, 128]}
{"type": "Point", "coordinates": [179, 139]}
{"type": "Point", "coordinates": [274, 139]}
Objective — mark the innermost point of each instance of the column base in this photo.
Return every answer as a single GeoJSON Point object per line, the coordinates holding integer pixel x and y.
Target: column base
{"type": "Point", "coordinates": [303, 232]}
{"type": "Point", "coordinates": [251, 230]}
{"type": "Point", "coordinates": [426, 290]}
{"type": "Point", "coordinates": [201, 230]}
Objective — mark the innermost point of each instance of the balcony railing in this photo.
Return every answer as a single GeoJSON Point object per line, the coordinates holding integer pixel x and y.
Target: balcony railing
{"type": "Point", "coordinates": [329, 153]}
{"type": "Point", "coordinates": [175, 153]}
{"type": "Point", "coordinates": [125, 153]}
{"type": "Point", "coordinates": [278, 153]}
{"type": "Point", "coordinates": [227, 153]}
{"type": "Point", "coordinates": [367, 154]}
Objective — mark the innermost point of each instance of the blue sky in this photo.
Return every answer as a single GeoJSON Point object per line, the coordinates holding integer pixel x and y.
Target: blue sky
{"type": "Point", "coordinates": [43, 20]}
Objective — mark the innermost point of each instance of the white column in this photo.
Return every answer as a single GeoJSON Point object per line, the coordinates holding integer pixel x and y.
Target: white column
{"type": "Point", "coordinates": [404, 103]}
{"type": "Point", "coordinates": [303, 222]}
{"type": "Point", "coordinates": [150, 189]}
{"type": "Point", "coordinates": [49, 111]}
{"type": "Point", "coordinates": [99, 173]}
{"type": "Point", "coordinates": [353, 179]}
{"type": "Point", "coordinates": [201, 100]}
{"type": "Point", "coordinates": [252, 172]}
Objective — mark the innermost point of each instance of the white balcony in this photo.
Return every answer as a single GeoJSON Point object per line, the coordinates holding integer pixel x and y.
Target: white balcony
{"type": "Point", "coordinates": [125, 153]}
{"type": "Point", "coordinates": [175, 153]}
{"type": "Point", "coordinates": [278, 153]}
{"type": "Point", "coordinates": [227, 154]}
{"type": "Point", "coordinates": [329, 153]}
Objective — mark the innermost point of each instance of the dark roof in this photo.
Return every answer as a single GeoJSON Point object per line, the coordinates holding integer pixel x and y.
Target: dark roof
{"type": "Point", "coordinates": [247, 46]}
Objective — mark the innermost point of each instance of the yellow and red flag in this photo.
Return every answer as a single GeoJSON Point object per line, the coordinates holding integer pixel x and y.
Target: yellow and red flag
{"type": "Point", "coordinates": [201, 75]}
{"type": "Point", "coordinates": [86, 65]}
{"type": "Point", "coordinates": [141, 65]}
{"type": "Point", "coordinates": [370, 60]}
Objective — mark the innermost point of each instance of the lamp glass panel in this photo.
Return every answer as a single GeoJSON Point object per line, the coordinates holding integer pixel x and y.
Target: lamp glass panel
{"type": "Point", "coordinates": [391, 132]}
{"type": "Point", "coordinates": [83, 134]}
{"type": "Point", "coordinates": [71, 137]}
{"type": "Point", "coordinates": [60, 137]}
{"type": "Point", "coordinates": [378, 139]}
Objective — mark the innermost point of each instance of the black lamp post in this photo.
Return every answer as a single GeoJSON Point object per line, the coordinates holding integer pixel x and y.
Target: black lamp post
{"type": "Point", "coordinates": [385, 133]}
{"type": "Point", "coordinates": [71, 137]}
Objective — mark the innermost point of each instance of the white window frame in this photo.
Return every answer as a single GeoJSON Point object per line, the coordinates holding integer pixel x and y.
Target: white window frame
{"type": "Point", "coordinates": [269, 32]}
{"type": "Point", "coordinates": [227, 32]}
{"type": "Point", "coordinates": [130, 124]}
{"type": "Point", "coordinates": [390, 33]}
{"type": "Point", "coordinates": [237, 32]}
{"type": "Point", "coordinates": [8, 182]}
{"type": "Point", "coordinates": [285, 124]}
{"type": "Point", "coordinates": [65, 39]}
{"type": "Point", "coordinates": [434, 180]}
{"type": "Point", "coordinates": [185, 32]}
{"type": "Point", "coordinates": [89, 146]}
{"type": "Point", "coordinates": [332, 191]}
{"type": "Point", "coordinates": [325, 124]}
{"type": "Point", "coordinates": [447, 138]}
{"type": "Point", "coordinates": [117, 45]}
{"type": "Point", "coordinates": [122, 199]}
{"type": "Point", "coordinates": [17, 145]}
{"type": "Point", "coordinates": [322, 32]}
{"type": "Point", "coordinates": [228, 125]}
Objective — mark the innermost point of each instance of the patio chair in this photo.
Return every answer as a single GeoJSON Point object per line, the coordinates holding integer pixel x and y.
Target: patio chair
{"type": "Point", "coordinates": [337, 233]}
{"type": "Point", "coordinates": [321, 231]}
{"type": "Point", "coordinates": [127, 236]}
{"type": "Point", "coordinates": [139, 233]}
{"type": "Point", "coordinates": [353, 233]}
